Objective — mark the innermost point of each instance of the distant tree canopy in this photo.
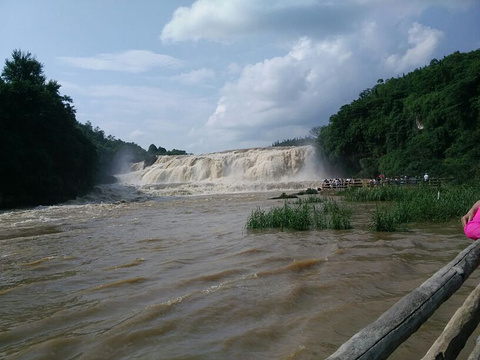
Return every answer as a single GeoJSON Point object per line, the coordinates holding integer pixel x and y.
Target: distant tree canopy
{"type": "Point", "coordinates": [425, 121]}
{"type": "Point", "coordinates": [152, 149]}
{"type": "Point", "coordinates": [114, 155]}
{"type": "Point", "coordinates": [44, 156]}
{"type": "Point", "coordinates": [307, 140]}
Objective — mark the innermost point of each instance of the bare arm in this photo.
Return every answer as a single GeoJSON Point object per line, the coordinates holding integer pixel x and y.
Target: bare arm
{"type": "Point", "coordinates": [471, 213]}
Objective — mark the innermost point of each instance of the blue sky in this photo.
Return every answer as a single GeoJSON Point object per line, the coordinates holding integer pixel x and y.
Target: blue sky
{"type": "Point", "coordinates": [214, 75]}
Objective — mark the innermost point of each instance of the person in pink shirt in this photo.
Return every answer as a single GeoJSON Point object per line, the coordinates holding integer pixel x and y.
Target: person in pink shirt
{"type": "Point", "coordinates": [471, 222]}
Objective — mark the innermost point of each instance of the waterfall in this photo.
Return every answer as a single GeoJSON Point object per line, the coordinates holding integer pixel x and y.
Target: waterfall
{"type": "Point", "coordinates": [237, 170]}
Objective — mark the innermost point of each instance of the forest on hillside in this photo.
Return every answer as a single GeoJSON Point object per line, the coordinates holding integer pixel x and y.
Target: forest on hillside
{"type": "Point", "coordinates": [47, 156]}
{"type": "Point", "coordinates": [425, 121]}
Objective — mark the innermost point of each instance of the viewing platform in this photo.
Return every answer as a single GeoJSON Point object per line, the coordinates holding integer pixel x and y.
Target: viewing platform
{"type": "Point", "coordinates": [340, 183]}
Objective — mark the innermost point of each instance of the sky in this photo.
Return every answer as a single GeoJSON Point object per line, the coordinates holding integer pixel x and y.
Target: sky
{"type": "Point", "coordinates": [215, 75]}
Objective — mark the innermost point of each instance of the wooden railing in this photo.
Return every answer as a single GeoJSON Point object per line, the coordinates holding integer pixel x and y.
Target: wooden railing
{"type": "Point", "coordinates": [339, 184]}
{"type": "Point", "coordinates": [380, 339]}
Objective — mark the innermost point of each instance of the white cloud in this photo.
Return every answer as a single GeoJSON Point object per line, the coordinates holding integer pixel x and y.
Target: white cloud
{"type": "Point", "coordinates": [134, 61]}
{"type": "Point", "coordinates": [221, 20]}
{"type": "Point", "coordinates": [423, 41]}
{"type": "Point", "coordinates": [216, 19]}
{"type": "Point", "coordinates": [291, 94]}
{"type": "Point", "coordinates": [137, 134]}
{"type": "Point", "coordinates": [227, 21]}
{"type": "Point", "coordinates": [233, 69]}
{"type": "Point", "coordinates": [284, 95]}
{"type": "Point", "coordinates": [138, 96]}
{"type": "Point", "coordinates": [196, 77]}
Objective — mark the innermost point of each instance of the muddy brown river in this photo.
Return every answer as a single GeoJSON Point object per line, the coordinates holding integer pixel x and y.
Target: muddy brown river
{"type": "Point", "coordinates": [181, 278]}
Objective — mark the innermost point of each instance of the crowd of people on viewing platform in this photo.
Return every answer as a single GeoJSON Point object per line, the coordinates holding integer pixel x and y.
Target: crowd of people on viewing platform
{"type": "Point", "coordinates": [341, 183]}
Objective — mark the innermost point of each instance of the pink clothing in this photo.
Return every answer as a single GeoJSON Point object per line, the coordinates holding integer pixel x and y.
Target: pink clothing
{"type": "Point", "coordinates": [472, 229]}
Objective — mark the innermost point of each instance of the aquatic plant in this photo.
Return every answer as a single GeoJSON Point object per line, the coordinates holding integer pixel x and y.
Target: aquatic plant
{"type": "Point", "coordinates": [387, 219]}
{"type": "Point", "coordinates": [302, 215]}
{"type": "Point", "coordinates": [415, 204]}
{"type": "Point", "coordinates": [310, 199]}
{"type": "Point", "coordinates": [379, 193]}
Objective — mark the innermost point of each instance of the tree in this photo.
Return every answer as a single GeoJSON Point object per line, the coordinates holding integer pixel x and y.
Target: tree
{"type": "Point", "coordinates": [152, 149]}
{"type": "Point", "coordinates": [23, 68]}
{"type": "Point", "coordinates": [45, 157]}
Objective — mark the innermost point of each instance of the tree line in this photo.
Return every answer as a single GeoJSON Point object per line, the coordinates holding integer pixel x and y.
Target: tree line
{"type": "Point", "coordinates": [46, 155]}
{"type": "Point", "coordinates": [298, 141]}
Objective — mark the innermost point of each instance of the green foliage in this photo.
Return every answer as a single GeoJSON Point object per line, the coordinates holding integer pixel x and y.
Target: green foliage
{"type": "Point", "coordinates": [302, 215]}
{"type": "Point", "coordinates": [307, 140]}
{"type": "Point", "coordinates": [152, 149]}
{"type": "Point", "coordinates": [23, 68]}
{"type": "Point", "coordinates": [379, 193]}
{"type": "Point", "coordinates": [45, 157]}
{"type": "Point", "coordinates": [311, 199]}
{"type": "Point", "coordinates": [428, 120]}
{"type": "Point", "coordinates": [176, 152]}
{"type": "Point", "coordinates": [153, 152]}
{"type": "Point", "coordinates": [414, 204]}
{"type": "Point", "coordinates": [386, 220]}
{"type": "Point", "coordinates": [114, 155]}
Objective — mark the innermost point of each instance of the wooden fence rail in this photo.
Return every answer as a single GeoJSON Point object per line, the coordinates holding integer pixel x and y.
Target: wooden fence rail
{"type": "Point", "coordinates": [458, 330]}
{"type": "Point", "coordinates": [379, 339]}
{"type": "Point", "coordinates": [339, 184]}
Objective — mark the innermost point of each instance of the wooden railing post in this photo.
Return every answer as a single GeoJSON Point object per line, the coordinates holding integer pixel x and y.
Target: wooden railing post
{"type": "Point", "coordinates": [458, 330]}
{"type": "Point", "coordinates": [475, 355]}
{"type": "Point", "coordinates": [379, 339]}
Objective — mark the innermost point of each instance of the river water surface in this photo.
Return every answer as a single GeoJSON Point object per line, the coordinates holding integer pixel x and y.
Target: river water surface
{"type": "Point", "coordinates": [181, 278]}
{"type": "Point", "coordinates": [164, 268]}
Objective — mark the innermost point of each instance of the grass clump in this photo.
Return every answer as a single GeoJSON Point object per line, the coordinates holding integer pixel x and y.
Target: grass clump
{"type": "Point", "coordinates": [311, 200]}
{"type": "Point", "coordinates": [302, 215]}
{"type": "Point", "coordinates": [419, 204]}
{"type": "Point", "coordinates": [389, 219]}
{"type": "Point", "coordinates": [380, 193]}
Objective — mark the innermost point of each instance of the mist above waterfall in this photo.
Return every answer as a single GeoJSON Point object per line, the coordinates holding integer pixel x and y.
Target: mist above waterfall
{"type": "Point", "coordinates": [237, 170]}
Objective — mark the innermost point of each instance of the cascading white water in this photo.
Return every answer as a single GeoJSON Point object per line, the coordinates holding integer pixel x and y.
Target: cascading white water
{"type": "Point", "coordinates": [238, 170]}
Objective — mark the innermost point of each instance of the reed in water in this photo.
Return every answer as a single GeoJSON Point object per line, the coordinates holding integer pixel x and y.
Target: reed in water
{"type": "Point", "coordinates": [302, 215]}
{"type": "Point", "coordinates": [414, 204]}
